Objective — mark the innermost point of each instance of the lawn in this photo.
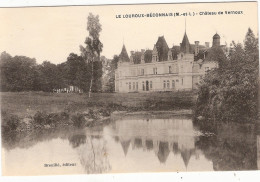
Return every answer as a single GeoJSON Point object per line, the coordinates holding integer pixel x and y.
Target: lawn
{"type": "Point", "coordinates": [28, 103]}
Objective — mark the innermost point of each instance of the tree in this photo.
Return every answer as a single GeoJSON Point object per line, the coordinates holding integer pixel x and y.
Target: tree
{"type": "Point", "coordinates": [230, 93]}
{"type": "Point", "coordinates": [17, 73]}
{"type": "Point", "coordinates": [111, 73]}
{"type": "Point", "coordinates": [91, 52]}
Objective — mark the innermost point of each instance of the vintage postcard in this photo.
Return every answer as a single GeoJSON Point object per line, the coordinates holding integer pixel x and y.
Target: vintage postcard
{"type": "Point", "coordinates": [129, 88]}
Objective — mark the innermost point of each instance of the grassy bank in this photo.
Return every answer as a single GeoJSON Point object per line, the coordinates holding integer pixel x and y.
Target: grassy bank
{"type": "Point", "coordinates": [29, 110]}
{"type": "Point", "coordinates": [28, 103]}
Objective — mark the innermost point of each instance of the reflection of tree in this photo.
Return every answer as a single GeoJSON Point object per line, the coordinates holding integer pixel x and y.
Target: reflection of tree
{"type": "Point", "coordinates": [77, 140]}
{"type": "Point", "coordinates": [232, 148]}
{"type": "Point", "coordinates": [93, 155]}
{"type": "Point", "coordinates": [149, 144]}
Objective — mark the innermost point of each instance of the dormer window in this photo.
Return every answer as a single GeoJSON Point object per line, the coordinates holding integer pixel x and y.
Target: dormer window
{"type": "Point", "coordinates": [142, 71]}
{"type": "Point", "coordinates": [170, 69]}
{"type": "Point", "coordinates": [155, 71]}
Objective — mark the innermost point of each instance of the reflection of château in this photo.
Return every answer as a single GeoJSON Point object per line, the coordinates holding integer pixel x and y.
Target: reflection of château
{"type": "Point", "coordinates": [174, 135]}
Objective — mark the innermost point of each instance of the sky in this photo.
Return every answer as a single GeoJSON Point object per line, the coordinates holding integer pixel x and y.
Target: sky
{"type": "Point", "coordinates": [52, 33]}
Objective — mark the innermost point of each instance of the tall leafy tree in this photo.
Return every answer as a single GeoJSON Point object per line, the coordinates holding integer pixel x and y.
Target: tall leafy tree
{"type": "Point", "coordinates": [17, 73]}
{"type": "Point", "coordinates": [91, 52]}
{"type": "Point", "coordinates": [230, 92]}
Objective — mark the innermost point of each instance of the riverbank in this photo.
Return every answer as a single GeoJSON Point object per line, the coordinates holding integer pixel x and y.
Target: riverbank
{"type": "Point", "coordinates": [23, 111]}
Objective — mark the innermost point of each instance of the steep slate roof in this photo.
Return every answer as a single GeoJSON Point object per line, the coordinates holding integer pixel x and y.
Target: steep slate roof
{"type": "Point", "coordinates": [162, 49]}
{"type": "Point", "coordinates": [137, 57]}
{"type": "Point", "coordinates": [147, 57]}
{"type": "Point", "coordinates": [216, 36]}
{"type": "Point", "coordinates": [148, 54]}
{"type": "Point", "coordinates": [123, 55]}
{"type": "Point", "coordinates": [175, 52]}
{"type": "Point", "coordinates": [185, 45]}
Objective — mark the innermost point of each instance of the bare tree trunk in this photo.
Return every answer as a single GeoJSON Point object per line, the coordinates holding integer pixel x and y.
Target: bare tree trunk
{"type": "Point", "coordinates": [91, 80]}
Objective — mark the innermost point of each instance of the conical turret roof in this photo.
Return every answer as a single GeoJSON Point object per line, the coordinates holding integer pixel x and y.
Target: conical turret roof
{"type": "Point", "coordinates": [185, 45]}
{"type": "Point", "coordinates": [123, 55]}
{"type": "Point", "coordinates": [162, 48]}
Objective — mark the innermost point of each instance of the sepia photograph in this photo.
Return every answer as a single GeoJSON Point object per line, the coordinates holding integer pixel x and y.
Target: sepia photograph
{"type": "Point", "coordinates": [131, 88]}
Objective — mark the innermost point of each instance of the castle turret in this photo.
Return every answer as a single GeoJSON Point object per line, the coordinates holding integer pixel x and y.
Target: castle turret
{"type": "Point", "coordinates": [123, 56]}
{"type": "Point", "coordinates": [185, 45]}
{"type": "Point", "coordinates": [216, 40]}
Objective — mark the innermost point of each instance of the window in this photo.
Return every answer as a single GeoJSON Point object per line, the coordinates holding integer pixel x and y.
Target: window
{"type": "Point", "coordinates": [120, 73]}
{"type": "Point", "coordinates": [136, 85]}
{"type": "Point", "coordinates": [143, 86]}
{"type": "Point", "coordinates": [173, 84]}
{"type": "Point", "coordinates": [129, 85]}
{"type": "Point", "coordinates": [168, 84]}
{"type": "Point", "coordinates": [151, 84]}
{"type": "Point", "coordinates": [181, 68]}
{"type": "Point", "coordinates": [142, 71]}
{"type": "Point", "coordinates": [155, 71]}
{"type": "Point", "coordinates": [164, 84]}
{"type": "Point", "coordinates": [182, 81]}
{"type": "Point", "coordinates": [170, 69]}
{"type": "Point", "coordinates": [120, 84]}
{"type": "Point", "coordinates": [133, 85]}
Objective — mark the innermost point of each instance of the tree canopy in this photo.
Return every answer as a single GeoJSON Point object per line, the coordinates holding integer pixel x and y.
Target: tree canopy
{"type": "Point", "coordinates": [230, 93]}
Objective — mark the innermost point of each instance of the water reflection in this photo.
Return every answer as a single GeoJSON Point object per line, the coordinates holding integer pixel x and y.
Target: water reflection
{"type": "Point", "coordinates": [163, 136]}
{"type": "Point", "coordinates": [258, 146]}
{"type": "Point", "coordinates": [135, 143]}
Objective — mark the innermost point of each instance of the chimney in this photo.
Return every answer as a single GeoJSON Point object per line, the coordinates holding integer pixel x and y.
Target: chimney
{"type": "Point", "coordinates": [132, 57]}
{"type": "Point", "coordinates": [207, 44]}
{"type": "Point", "coordinates": [196, 48]}
{"type": "Point", "coordinates": [142, 55]}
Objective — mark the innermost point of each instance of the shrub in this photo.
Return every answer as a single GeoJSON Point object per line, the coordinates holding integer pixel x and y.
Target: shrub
{"type": "Point", "coordinates": [78, 120]}
{"type": "Point", "coordinates": [9, 122]}
{"type": "Point", "coordinates": [40, 118]}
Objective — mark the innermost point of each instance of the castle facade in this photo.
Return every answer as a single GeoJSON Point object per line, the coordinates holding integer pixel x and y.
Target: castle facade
{"type": "Point", "coordinates": [163, 68]}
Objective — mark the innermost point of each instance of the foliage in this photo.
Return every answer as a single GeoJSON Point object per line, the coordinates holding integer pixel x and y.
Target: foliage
{"type": "Point", "coordinates": [91, 52]}
{"type": "Point", "coordinates": [111, 74]}
{"type": "Point", "coordinates": [17, 73]}
{"type": "Point", "coordinates": [230, 92]}
{"type": "Point", "coordinates": [21, 73]}
{"type": "Point", "coordinates": [9, 122]}
{"type": "Point", "coordinates": [78, 120]}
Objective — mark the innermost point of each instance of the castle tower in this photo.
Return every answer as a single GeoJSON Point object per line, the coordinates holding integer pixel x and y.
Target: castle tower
{"type": "Point", "coordinates": [123, 56]}
{"type": "Point", "coordinates": [185, 45]}
{"type": "Point", "coordinates": [216, 40]}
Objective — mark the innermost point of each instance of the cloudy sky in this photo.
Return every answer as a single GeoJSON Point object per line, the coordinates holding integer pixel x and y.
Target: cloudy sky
{"type": "Point", "coordinates": [52, 33]}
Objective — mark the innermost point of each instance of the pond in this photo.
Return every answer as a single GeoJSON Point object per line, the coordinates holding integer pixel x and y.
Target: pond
{"type": "Point", "coordinates": [134, 143]}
